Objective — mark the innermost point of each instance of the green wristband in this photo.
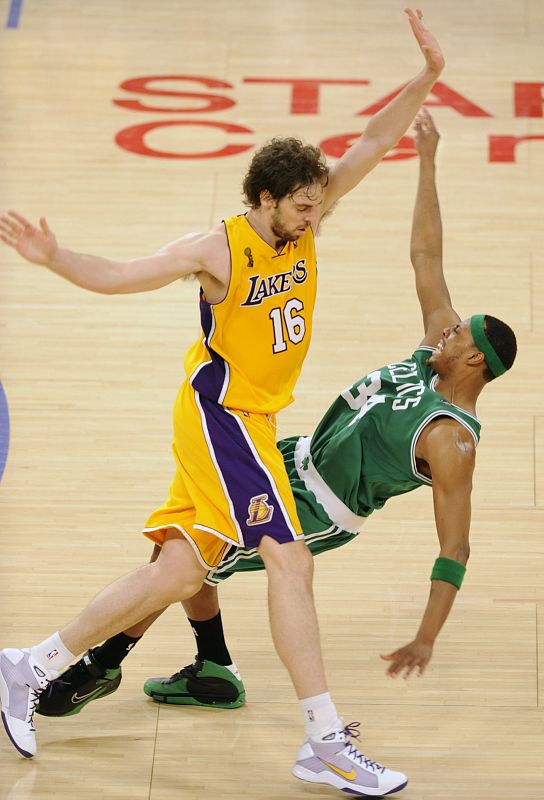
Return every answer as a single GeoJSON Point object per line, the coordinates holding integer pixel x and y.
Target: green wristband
{"type": "Point", "coordinates": [448, 570]}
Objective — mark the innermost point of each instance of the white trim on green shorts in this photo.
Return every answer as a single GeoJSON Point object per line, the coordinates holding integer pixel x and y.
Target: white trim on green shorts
{"type": "Point", "coordinates": [337, 512]}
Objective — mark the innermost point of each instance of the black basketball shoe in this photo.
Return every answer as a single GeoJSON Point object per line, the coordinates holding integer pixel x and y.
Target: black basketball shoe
{"type": "Point", "coordinates": [82, 683]}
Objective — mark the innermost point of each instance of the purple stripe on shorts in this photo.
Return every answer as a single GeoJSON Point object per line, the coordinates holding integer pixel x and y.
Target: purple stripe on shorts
{"type": "Point", "coordinates": [14, 14]}
{"type": "Point", "coordinates": [210, 378]}
{"type": "Point", "coordinates": [4, 430]}
{"type": "Point", "coordinates": [256, 507]}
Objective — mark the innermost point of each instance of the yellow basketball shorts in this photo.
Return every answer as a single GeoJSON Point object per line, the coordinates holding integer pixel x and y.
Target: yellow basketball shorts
{"type": "Point", "coordinates": [230, 486]}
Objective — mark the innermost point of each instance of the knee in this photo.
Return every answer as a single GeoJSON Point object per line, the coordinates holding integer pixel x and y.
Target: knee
{"type": "Point", "coordinates": [291, 561]}
{"type": "Point", "coordinates": [171, 584]}
{"type": "Point", "coordinates": [176, 574]}
{"type": "Point", "coordinates": [164, 584]}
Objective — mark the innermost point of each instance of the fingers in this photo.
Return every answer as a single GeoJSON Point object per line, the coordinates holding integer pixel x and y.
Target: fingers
{"type": "Point", "coordinates": [396, 667]}
{"type": "Point", "coordinates": [424, 123]}
{"type": "Point", "coordinates": [44, 226]}
{"type": "Point", "coordinates": [7, 239]}
{"type": "Point", "coordinates": [420, 120]}
{"type": "Point", "coordinates": [416, 20]}
{"type": "Point", "coordinates": [425, 118]}
{"type": "Point", "coordinates": [14, 228]}
{"type": "Point", "coordinates": [13, 225]}
{"type": "Point", "coordinates": [7, 225]}
{"type": "Point", "coordinates": [9, 231]}
{"type": "Point", "coordinates": [421, 125]}
{"type": "Point", "coordinates": [404, 663]}
{"type": "Point", "coordinates": [404, 666]}
{"type": "Point", "coordinates": [409, 670]}
{"type": "Point", "coordinates": [20, 219]}
{"type": "Point", "coordinates": [427, 42]}
{"type": "Point", "coordinates": [413, 22]}
{"type": "Point", "coordinates": [429, 121]}
{"type": "Point", "coordinates": [399, 662]}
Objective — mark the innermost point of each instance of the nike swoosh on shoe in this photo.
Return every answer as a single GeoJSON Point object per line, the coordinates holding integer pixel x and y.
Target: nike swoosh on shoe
{"type": "Point", "coordinates": [78, 698]}
{"type": "Point", "coordinates": [349, 776]}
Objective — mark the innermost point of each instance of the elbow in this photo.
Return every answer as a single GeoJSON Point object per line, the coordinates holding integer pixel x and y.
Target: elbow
{"type": "Point", "coordinates": [419, 258]}
{"type": "Point", "coordinates": [106, 289]}
{"type": "Point", "coordinates": [425, 259]}
{"type": "Point", "coordinates": [114, 281]}
{"type": "Point", "coordinates": [461, 553]}
{"type": "Point", "coordinates": [378, 144]}
{"type": "Point", "coordinates": [385, 143]}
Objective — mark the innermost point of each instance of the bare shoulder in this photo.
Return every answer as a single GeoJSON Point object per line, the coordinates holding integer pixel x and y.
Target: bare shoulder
{"type": "Point", "coordinates": [448, 447]}
{"type": "Point", "coordinates": [216, 254]}
{"type": "Point", "coordinates": [450, 432]}
{"type": "Point", "coordinates": [208, 250]}
{"type": "Point", "coordinates": [214, 239]}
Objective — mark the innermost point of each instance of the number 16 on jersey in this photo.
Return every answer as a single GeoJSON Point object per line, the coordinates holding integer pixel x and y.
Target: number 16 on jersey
{"type": "Point", "coordinates": [287, 323]}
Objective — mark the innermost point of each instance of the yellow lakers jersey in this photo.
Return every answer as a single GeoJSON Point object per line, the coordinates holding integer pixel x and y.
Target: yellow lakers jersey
{"type": "Point", "coordinates": [254, 342]}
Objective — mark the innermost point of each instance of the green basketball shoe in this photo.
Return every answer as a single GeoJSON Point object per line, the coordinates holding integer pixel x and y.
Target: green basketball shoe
{"type": "Point", "coordinates": [202, 683]}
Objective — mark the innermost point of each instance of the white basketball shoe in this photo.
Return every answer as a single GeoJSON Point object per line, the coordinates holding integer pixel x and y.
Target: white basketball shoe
{"type": "Point", "coordinates": [335, 761]}
{"type": "Point", "coordinates": [21, 681]}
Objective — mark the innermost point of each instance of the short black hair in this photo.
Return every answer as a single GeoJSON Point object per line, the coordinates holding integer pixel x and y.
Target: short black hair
{"type": "Point", "coordinates": [503, 340]}
{"type": "Point", "coordinates": [281, 167]}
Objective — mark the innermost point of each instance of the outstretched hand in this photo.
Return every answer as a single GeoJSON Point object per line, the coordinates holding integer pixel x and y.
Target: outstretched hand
{"type": "Point", "coordinates": [426, 40]}
{"type": "Point", "coordinates": [426, 138]}
{"type": "Point", "coordinates": [37, 245]}
{"type": "Point", "coordinates": [405, 660]}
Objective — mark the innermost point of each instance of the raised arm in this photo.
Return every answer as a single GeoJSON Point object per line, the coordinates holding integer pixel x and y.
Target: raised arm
{"type": "Point", "coordinates": [449, 450]}
{"type": "Point", "coordinates": [205, 255]}
{"type": "Point", "coordinates": [387, 126]}
{"type": "Point", "coordinates": [426, 241]}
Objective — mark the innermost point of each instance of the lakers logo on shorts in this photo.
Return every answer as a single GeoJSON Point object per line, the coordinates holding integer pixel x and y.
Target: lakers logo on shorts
{"type": "Point", "coordinates": [259, 511]}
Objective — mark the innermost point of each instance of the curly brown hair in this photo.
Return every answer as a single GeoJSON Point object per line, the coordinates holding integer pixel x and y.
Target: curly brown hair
{"type": "Point", "coordinates": [281, 167]}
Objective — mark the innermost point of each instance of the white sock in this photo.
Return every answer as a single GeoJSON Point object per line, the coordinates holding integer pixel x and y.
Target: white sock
{"type": "Point", "coordinates": [52, 656]}
{"type": "Point", "coordinates": [234, 669]}
{"type": "Point", "coordinates": [320, 715]}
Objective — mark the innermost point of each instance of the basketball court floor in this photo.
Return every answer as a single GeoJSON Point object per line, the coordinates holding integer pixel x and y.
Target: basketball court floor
{"type": "Point", "coordinates": [130, 123]}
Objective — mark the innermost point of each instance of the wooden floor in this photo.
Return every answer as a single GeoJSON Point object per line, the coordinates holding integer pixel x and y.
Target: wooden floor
{"type": "Point", "coordinates": [90, 380]}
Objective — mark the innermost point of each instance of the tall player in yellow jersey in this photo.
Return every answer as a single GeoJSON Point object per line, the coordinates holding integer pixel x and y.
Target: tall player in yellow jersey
{"type": "Point", "coordinates": [258, 279]}
{"type": "Point", "coordinates": [230, 485]}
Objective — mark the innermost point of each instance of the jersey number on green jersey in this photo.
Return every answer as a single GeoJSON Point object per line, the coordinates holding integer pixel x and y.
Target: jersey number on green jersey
{"type": "Point", "coordinates": [362, 397]}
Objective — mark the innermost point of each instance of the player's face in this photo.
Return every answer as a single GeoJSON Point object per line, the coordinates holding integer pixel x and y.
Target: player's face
{"type": "Point", "coordinates": [454, 343]}
{"type": "Point", "coordinates": [292, 215]}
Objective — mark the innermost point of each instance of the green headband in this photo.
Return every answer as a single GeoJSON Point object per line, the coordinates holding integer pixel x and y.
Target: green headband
{"type": "Point", "coordinates": [484, 345]}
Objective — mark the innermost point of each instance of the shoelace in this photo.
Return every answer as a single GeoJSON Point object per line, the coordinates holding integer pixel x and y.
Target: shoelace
{"type": "Point", "coordinates": [33, 701]}
{"type": "Point", "coordinates": [68, 680]}
{"type": "Point", "coordinates": [190, 671]}
{"type": "Point", "coordinates": [352, 731]}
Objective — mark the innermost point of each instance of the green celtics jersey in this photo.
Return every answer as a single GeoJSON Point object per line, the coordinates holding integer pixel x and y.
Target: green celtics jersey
{"type": "Point", "coordinates": [361, 454]}
{"type": "Point", "coordinates": [364, 447]}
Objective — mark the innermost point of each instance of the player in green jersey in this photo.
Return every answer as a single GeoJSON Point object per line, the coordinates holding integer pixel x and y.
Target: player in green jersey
{"type": "Point", "coordinates": [408, 424]}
